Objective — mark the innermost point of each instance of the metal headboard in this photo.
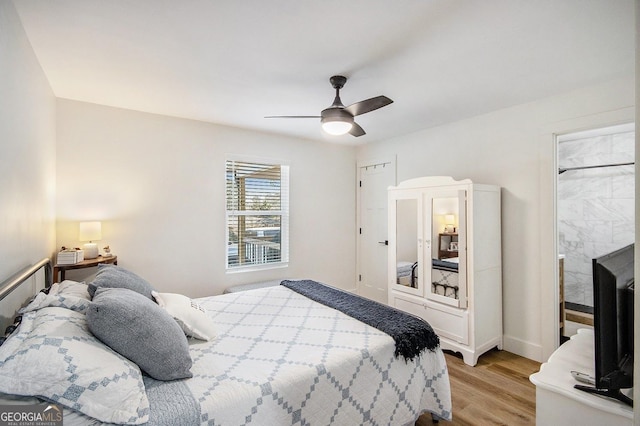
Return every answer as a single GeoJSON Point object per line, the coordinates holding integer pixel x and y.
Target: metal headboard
{"type": "Point", "coordinates": [12, 283]}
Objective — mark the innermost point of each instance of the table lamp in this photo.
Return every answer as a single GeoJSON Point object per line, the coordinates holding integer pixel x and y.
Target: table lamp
{"type": "Point", "coordinates": [90, 231]}
{"type": "Point", "coordinates": [449, 223]}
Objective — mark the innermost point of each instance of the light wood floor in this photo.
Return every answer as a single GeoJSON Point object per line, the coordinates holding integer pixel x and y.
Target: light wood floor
{"type": "Point", "coordinates": [497, 391]}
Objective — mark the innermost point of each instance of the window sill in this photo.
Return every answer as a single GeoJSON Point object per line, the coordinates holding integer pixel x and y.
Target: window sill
{"type": "Point", "coordinates": [262, 267]}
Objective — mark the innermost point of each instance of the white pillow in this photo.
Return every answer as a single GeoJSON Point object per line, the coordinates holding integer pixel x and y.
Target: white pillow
{"type": "Point", "coordinates": [54, 356]}
{"type": "Point", "coordinates": [189, 315]}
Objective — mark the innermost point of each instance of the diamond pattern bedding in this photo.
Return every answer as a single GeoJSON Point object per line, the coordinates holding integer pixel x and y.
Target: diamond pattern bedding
{"type": "Point", "coordinates": [444, 283]}
{"type": "Point", "coordinates": [281, 358]}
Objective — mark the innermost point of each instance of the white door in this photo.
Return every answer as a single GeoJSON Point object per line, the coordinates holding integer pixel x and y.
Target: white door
{"type": "Point", "coordinates": [373, 180]}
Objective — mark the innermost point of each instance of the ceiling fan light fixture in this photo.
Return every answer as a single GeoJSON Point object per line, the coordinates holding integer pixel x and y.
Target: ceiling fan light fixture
{"type": "Point", "coordinates": [338, 119]}
{"type": "Point", "coordinates": [336, 127]}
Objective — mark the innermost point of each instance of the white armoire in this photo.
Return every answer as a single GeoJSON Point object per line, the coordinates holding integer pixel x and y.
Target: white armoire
{"type": "Point", "coordinates": [445, 260]}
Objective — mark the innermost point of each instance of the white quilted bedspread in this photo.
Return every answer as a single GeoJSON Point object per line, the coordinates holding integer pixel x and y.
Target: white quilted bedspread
{"type": "Point", "coordinates": [283, 359]}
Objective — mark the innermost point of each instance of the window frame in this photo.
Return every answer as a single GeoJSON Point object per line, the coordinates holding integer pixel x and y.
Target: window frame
{"type": "Point", "coordinates": [283, 213]}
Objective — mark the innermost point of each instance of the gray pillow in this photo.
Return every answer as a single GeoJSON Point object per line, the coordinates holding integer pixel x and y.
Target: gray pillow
{"type": "Point", "coordinates": [141, 331]}
{"type": "Point", "coordinates": [113, 276]}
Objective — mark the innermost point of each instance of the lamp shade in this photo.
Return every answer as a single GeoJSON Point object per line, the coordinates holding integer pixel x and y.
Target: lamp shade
{"type": "Point", "coordinates": [449, 219]}
{"type": "Point", "coordinates": [90, 231]}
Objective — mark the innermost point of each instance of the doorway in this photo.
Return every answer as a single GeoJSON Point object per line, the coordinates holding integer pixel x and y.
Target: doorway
{"type": "Point", "coordinates": [595, 211]}
{"type": "Point", "coordinates": [374, 177]}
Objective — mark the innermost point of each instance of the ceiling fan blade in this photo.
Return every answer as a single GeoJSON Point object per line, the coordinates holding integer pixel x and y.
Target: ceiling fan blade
{"type": "Point", "coordinates": [368, 105]}
{"type": "Point", "coordinates": [356, 130]}
{"type": "Point", "coordinates": [293, 116]}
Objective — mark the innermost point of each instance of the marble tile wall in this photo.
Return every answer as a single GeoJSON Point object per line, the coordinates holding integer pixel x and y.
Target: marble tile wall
{"type": "Point", "coordinates": [595, 206]}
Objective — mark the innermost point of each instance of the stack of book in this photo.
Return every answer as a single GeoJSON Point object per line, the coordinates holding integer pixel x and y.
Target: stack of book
{"type": "Point", "coordinates": [70, 256]}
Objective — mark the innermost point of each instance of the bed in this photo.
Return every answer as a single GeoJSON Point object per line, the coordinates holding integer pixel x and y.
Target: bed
{"type": "Point", "coordinates": [407, 273]}
{"type": "Point", "coordinates": [444, 276]}
{"type": "Point", "coordinates": [276, 357]}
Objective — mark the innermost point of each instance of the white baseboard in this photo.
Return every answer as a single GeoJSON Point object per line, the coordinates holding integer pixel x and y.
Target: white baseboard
{"type": "Point", "coordinates": [523, 348]}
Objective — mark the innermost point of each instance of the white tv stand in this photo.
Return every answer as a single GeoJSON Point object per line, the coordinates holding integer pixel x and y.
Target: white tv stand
{"type": "Point", "coordinates": [558, 403]}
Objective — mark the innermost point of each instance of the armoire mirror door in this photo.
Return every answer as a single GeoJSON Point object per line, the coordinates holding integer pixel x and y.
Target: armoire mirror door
{"type": "Point", "coordinates": [408, 245]}
{"type": "Point", "coordinates": [448, 283]}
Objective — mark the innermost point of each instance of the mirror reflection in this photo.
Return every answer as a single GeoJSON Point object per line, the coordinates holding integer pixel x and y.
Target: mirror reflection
{"type": "Point", "coordinates": [445, 279]}
{"type": "Point", "coordinates": [406, 242]}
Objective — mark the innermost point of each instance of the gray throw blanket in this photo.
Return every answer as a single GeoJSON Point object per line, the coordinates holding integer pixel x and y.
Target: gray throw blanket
{"type": "Point", "coordinates": [411, 334]}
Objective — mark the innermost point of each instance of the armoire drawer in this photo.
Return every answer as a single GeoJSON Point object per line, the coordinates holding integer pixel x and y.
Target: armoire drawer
{"type": "Point", "coordinates": [446, 321]}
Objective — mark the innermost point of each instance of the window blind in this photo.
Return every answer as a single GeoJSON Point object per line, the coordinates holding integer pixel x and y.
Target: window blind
{"type": "Point", "coordinates": [257, 213]}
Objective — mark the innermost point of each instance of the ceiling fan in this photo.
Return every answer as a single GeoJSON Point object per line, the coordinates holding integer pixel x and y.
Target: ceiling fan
{"type": "Point", "coordinates": [338, 119]}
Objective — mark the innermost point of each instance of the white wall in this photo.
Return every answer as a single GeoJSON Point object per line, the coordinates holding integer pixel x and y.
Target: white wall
{"type": "Point", "coordinates": [514, 148]}
{"type": "Point", "coordinates": [27, 153]}
{"type": "Point", "coordinates": [157, 184]}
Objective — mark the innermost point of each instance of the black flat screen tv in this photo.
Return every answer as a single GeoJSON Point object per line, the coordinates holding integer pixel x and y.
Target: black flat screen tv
{"type": "Point", "coordinates": [613, 288]}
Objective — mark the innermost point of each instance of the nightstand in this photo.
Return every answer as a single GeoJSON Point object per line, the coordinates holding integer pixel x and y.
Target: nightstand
{"type": "Point", "coordinates": [445, 250]}
{"type": "Point", "coordinates": [89, 263]}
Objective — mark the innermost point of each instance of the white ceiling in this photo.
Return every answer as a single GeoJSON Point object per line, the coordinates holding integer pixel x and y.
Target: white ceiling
{"type": "Point", "coordinates": [234, 62]}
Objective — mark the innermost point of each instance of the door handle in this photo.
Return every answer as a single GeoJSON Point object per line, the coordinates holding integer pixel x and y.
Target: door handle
{"type": "Point", "coordinates": [385, 242]}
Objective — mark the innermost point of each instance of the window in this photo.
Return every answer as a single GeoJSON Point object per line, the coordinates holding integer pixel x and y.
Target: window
{"type": "Point", "coordinates": [257, 211]}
